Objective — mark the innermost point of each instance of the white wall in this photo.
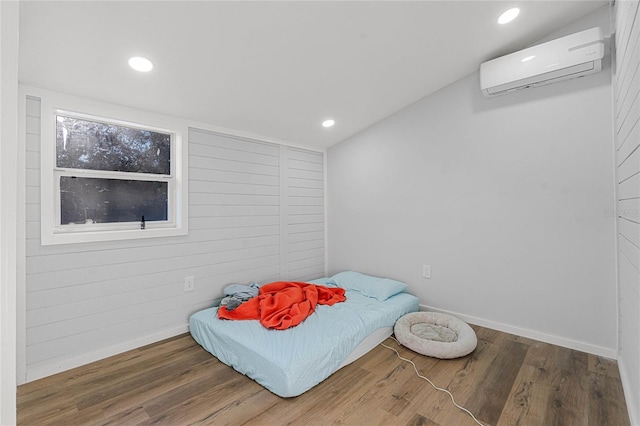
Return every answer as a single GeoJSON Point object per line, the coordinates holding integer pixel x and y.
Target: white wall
{"type": "Point", "coordinates": [510, 200]}
{"type": "Point", "coordinates": [255, 213]}
{"type": "Point", "coordinates": [8, 207]}
{"type": "Point", "coordinates": [626, 97]}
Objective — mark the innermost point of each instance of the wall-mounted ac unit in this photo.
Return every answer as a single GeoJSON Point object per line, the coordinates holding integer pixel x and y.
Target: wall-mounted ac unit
{"type": "Point", "coordinates": [565, 58]}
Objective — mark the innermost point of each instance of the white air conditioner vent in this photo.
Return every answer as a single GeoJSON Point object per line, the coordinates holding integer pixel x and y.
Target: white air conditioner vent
{"type": "Point", "coordinates": [565, 58]}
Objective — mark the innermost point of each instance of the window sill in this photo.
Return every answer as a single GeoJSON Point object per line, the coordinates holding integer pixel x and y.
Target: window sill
{"type": "Point", "coordinates": [110, 235]}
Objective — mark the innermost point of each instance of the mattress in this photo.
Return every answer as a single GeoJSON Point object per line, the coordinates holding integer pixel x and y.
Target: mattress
{"type": "Point", "coordinates": [290, 362]}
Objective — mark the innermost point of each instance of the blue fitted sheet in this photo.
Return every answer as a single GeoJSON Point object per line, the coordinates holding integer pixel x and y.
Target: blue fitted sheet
{"type": "Point", "coordinates": [290, 362]}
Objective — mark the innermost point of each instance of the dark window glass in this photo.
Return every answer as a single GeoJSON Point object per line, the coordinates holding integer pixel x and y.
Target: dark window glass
{"type": "Point", "coordinates": [84, 144]}
{"type": "Point", "coordinates": [95, 200]}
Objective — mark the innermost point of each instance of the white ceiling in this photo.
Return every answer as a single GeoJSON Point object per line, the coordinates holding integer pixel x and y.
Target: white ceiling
{"type": "Point", "coordinates": [274, 69]}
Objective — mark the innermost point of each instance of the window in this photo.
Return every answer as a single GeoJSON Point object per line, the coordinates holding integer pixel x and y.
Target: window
{"type": "Point", "coordinates": [111, 173]}
{"type": "Point", "coordinates": [108, 179]}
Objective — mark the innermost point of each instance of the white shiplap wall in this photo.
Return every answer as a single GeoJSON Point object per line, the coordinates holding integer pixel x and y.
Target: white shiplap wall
{"type": "Point", "coordinates": [87, 301]}
{"type": "Point", "coordinates": [627, 130]}
{"type": "Point", "coordinates": [305, 214]}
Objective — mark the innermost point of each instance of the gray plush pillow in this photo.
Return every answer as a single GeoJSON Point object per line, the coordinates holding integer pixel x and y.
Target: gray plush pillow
{"type": "Point", "coordinates": [436, 335]}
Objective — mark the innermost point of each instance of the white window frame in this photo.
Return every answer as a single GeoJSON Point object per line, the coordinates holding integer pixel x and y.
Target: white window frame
{"type": "Point", "coordinates": [52, 231]}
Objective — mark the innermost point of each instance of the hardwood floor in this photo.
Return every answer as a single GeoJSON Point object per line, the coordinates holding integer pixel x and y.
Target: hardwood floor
{"type": "Point", "coordinates": [507, 380]}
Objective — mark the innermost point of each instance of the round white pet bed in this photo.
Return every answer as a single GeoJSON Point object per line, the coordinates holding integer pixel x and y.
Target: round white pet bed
{"type": "Point", "coordinates": [436, 335]}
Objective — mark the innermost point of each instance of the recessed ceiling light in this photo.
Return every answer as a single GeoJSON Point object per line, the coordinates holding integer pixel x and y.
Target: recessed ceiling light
{"type": "Point", "coordinates": [528, 58]}
{"type": "Point", "coordinates": [328, 123]}
{"type": "Point", "coordinates": [141, 64]}
{"type": "Point", "coordinates": [508, 16]}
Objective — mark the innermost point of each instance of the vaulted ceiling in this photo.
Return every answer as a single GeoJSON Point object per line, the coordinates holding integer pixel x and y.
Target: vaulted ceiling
{"type": "Point", "coordinates": [274, 69]}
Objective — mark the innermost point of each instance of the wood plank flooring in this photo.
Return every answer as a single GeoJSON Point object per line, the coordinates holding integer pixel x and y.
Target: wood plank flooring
{"type": "Point", "coordinates": [507, 380]}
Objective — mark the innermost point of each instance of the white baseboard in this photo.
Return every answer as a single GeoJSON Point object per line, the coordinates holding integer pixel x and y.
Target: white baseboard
{"type": "Point", "coordinates": [633, 401]}
{"type": "Point", "coordinates": [547, 338]}
{"type": "Point", "coordinates": [50, 367]}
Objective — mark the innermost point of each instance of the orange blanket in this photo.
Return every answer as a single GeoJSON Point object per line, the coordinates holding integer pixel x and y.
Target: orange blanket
{"type": "Point", "coordinates": [282, 304]}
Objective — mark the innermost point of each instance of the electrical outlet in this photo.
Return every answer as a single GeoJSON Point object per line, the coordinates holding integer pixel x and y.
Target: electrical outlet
{"type": "Point", "coordinates": [189, 283]}
{"type": "Point", "coordinates": [426, 271]}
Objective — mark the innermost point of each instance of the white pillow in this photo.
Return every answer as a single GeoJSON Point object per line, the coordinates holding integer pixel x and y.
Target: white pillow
{"type": "Point", "coordinates": [375, 287]}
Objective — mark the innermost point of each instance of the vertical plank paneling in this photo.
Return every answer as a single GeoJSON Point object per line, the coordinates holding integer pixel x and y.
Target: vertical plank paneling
{"type": "Point", "coordinates": [627, 131]}
{"type": "Point", "coordinates": [83, 300]}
